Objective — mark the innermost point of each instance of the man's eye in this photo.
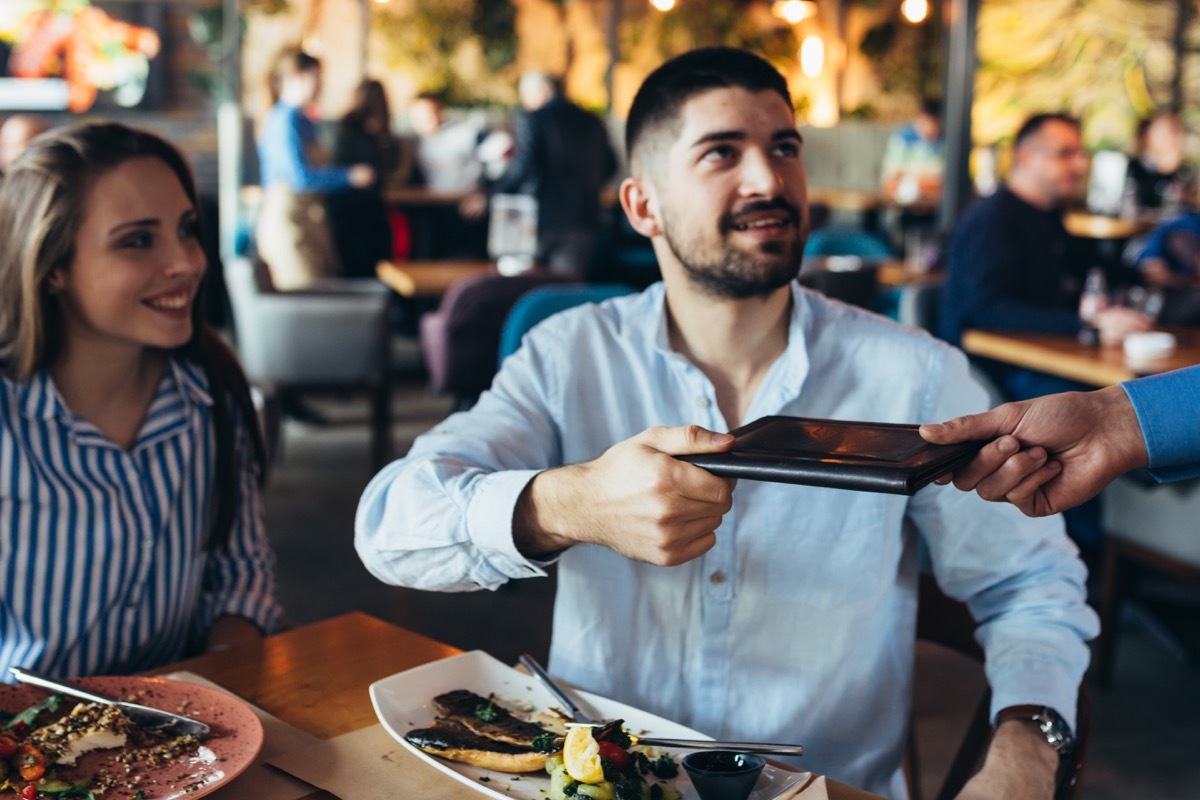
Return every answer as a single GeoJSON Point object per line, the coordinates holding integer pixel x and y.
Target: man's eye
{"type": "Point", "coordinates": [788, 149]}
{"type": "Point", "coordinates": [719, 153]}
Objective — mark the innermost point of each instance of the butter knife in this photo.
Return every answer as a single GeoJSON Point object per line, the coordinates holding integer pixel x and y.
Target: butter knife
{"type": "Point", "coordinates": [151, 719]}
{"type": "Point", "coordinates": [577, 714]}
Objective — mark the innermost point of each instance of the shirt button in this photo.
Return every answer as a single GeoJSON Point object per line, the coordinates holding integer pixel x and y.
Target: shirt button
{"type": "Point", "coordinates": [717, 578]}
{"type": "Point", "coordinates": [703, 402]}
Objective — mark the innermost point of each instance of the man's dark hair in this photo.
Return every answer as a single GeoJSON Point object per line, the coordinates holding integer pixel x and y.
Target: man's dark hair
{"type": "Point", "coordinates": [666, 89]}
{"type": "Point", "coordinates": [1037, 122]}
{"type": "Point", "coordinates": [932, 107]}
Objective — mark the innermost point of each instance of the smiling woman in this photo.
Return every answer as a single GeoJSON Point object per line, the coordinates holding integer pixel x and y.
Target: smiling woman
{"type": "Point", "coordinates": [131, 454]}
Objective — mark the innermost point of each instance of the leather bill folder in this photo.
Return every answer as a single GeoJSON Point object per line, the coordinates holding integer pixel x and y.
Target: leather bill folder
{"type": "Point", "coordinates": [860, 456]}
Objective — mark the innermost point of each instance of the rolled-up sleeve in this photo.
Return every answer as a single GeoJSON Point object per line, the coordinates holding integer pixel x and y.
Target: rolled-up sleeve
{"type": "Point", "coordinates": [441, 518]}
{"type": "Point", "coordinates": [239, 580]}
{"type": "Point", "coordinates": [1022, 578]}
{"type": "Point", "coordinates": [1168, 411]}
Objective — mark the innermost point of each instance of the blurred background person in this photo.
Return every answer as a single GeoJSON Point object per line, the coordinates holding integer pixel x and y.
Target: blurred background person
{"type": "Point", "coordinates": [563, 158]}
{"type": "Point", "coordinates": [1159, 179]}
{"type": "Point", "coordinates": [358, 216]}
{"type": "Point", "coordinates": [915, 158]}
{"type": "Point", "coordinates": [292, 234]}
{"type": "Point", "coordinates": [446, 159]}
{"type": "Point", "coordinates": [129, 417]}
{"type": "Point", "coordinates": [1171, 257]}
{"type": "Point", "coordinates": [16, 133]}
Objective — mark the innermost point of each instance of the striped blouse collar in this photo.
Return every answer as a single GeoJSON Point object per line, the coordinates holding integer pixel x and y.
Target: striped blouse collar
{"type": "Point", "coordinates": [39, 398]}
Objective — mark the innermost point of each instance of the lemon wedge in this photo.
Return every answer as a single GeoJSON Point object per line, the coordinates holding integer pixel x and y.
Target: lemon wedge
{"type": "Point", "coordinates": [581, 756]}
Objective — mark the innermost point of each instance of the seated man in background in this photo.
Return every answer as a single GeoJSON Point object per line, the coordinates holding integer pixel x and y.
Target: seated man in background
{"type": "Point", "coordinates": [446, 159]}
{"type": "Point", "coordinates": [1172, 254]}
{"type": "Point", "coordinates": [1161, 180]}
{"type": "Point", "coordinates": [1010, 264]}
{"type": "Point", "coordinates": [915, 160]}
{"type": "Point", "coordinates": [773, 612]}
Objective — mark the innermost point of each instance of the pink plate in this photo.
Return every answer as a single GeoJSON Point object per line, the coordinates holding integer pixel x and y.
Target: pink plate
{"type": "Point", "coordinates": [237, 735]}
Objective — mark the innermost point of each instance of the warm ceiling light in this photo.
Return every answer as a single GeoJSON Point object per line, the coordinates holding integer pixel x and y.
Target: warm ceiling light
{"type": "Point", "coordinates": [794, 11]}
{"type": "Point", "coordinates": [663, 5]}
{"type": "Point", "coordinates": [915, 11]}
{"type": "Point", "coordinates": [812, 56]}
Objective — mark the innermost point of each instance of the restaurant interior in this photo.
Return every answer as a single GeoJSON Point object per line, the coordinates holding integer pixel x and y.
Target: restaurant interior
{"type": "Point", "coordinates": [348, 372]}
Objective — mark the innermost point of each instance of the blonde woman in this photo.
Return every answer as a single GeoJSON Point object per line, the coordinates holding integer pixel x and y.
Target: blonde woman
{"type": "Point", "coordinates": [293, 234]}
{"type": "Point", "coordinates": [131, 525]}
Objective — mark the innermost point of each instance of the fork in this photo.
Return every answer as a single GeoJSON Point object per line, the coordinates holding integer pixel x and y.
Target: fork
{"type": "Point", "coordinates": [145, 717]}
{"type": "Point", "coordinates": [691, 744]}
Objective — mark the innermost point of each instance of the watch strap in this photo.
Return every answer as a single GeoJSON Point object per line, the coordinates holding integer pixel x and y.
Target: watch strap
{"type": "Point", "coordinates": [1053, 727]}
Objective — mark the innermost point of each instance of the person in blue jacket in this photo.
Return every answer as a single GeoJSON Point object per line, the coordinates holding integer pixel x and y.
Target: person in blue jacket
{"type": "Point", "coordinates": [293, 234]}
{"type": "Point", "coordinates": [1055, 452]}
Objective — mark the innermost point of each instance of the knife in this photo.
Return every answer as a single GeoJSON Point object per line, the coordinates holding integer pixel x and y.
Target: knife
{"type": "Point", "coordinates": [577, 714]}
{"type": "Point", "coordinates": [151, 719]}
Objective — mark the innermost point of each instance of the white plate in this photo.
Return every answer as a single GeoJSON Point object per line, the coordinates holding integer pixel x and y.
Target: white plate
{"type": "Point", "coordinates": [405, 701]}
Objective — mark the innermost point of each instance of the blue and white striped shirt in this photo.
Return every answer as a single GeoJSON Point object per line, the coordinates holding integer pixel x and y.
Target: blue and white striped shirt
{"type": "Point", "coordinates": [103, 560]}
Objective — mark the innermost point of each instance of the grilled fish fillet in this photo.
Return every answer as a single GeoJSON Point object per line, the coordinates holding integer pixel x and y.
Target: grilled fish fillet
{"type": "Point", "coordinates": [449, 739]}
{"type": "Point", "coordinates": [461, 705]}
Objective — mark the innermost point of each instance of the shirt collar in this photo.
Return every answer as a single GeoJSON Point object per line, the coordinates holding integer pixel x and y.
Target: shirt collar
{"type": "Point", "coordinates": [39, 397]}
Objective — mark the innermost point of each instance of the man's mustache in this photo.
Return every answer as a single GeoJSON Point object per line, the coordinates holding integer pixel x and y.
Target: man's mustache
{"type": "Point", "coordinates": [758, 206]}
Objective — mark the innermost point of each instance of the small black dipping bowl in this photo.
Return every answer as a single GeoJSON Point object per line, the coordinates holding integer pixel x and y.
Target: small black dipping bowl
{"type": "Point", "coordinates": [723, 774]}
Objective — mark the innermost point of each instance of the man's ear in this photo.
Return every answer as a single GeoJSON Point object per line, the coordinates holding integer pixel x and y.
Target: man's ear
{"type": "Point", "coordinates": [637, 198]}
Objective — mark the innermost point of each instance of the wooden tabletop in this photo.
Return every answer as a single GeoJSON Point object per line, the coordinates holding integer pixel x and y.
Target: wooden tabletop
{"type": "Point", "coordinates": [1067, 358]}
{"type": "Point", "coordinates": [421, 196]}
{"type": "Point", "coordinates": [1097, 226]}
{"type": "Point", "coordinates": [890, 273]}
{"type": "Point", "coordinates": [428, 278]}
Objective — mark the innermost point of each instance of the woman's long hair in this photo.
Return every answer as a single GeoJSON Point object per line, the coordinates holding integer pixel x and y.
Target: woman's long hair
{"type": "Point", "coordinates": [42, 206]}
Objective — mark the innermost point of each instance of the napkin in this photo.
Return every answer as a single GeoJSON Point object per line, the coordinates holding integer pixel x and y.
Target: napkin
{"type": "Point", "coordinates": [260, 781]}
{"type": "Point", "coordinates": [822, 788]}
{"type": "Point", "coordinates": [368, 764]}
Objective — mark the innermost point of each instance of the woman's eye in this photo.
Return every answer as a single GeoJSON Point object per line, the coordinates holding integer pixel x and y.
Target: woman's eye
{"type": "Point", "coordinates": [138, 241]}
{"type": "Point", "coordinates": [189, 229]}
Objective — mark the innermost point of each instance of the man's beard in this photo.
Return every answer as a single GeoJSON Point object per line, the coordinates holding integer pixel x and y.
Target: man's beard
{"type": "Point", "coordinates": [735, 273]}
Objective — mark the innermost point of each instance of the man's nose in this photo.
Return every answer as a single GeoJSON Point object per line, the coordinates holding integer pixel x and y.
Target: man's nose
{"type": "Point", "coordinates": [760, 175]}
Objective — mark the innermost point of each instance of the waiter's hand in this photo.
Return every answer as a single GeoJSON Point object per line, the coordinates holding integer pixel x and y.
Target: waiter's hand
{"type": "Point", "coordinates": [635, 499]}
{"type": "Point", "coordinates": [1048, 454]}
{"type": "Point", "coordinates": [1020, 765]}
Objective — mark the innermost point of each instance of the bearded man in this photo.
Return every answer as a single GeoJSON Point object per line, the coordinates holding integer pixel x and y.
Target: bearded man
{"type": "Point", "coordinates": [770, 612]}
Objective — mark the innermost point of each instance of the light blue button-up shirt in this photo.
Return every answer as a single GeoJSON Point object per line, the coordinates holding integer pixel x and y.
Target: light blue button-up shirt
{"type": "Point", "coordinates": [799, 624]}
{"type": "Point", "coordinates": [1168, 410]}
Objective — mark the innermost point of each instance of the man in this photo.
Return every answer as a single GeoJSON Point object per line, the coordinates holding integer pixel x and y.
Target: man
{"type": "Point", "coordinates": [563, 158]}
{"type": "Point", "coordinates": [773, 612]}
{"type": "Point", "coordinates": [1077, 443]}
{"type": "Point", "coordinates": [1008, 265]}
{"type": "Point", "coordinates": [16, 132]}
{"type": "Point", "coordinates": [914, 159]}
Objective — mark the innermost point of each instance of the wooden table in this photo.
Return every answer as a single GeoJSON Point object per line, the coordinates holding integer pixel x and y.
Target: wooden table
{"type": "Point", "coordinates": [408, 196]}
{"type": "Point", "coordinates": [1097, 226]}
{"type": "Point", "coordinates": [316, 678]}
{"type": "Point", "coordinates": [429, 278]}
{"type": "Point", "coordinates": [893, 273]}
{"type": "Point", "coordinates": [1065, 357]}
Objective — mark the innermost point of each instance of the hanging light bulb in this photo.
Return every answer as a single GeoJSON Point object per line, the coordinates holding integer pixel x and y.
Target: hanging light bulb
{"type": "Point", "coordinates": [812, 56]}
{"type": "Point", "coordinates": [663, 5]}
{"type": "Point", "coordinates": [794, 11]}
{"type": "Point", "coordinates": [915, 11]}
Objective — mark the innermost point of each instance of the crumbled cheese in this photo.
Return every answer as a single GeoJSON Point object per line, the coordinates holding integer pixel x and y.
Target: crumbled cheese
{"type": "Point", "coordinates": [89, 726]}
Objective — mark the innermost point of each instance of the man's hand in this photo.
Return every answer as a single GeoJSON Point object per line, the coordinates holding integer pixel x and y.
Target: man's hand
{"type": "Point", "coordinates": [473, 206]}
{"type": "Point", "coordinates": [361, 176]}
{"type": "Point", "coordinates": [1118, 322]}
{"type": "Point", "coordinates": [1020, 765]}
{"type": "Point", "coordinates": [1049, 454]}
{"type": "Point", "coordinates": [635, 499]}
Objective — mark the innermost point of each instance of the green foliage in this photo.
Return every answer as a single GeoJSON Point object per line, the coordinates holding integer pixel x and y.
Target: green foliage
{"type": "Point", "coordinates": [494, 22]}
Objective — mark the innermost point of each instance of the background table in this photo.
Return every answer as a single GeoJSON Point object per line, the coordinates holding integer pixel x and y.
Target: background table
{"type": "Point", "coordinates": [1065, 357]}
{"type": "Point", "coordinates": [428, 278]}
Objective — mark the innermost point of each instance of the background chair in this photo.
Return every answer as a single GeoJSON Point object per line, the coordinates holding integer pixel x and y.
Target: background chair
{"type": "Point", "coordinates": [1147, 526]}
{"type": "Point", "coordinates": [948, 623]}
{"type": "Point", "coordinates": [538, 304]}
{"type": "Point", "coordinates": [840, 240]}
{"type": "Point", "coordinates": [332, 337]}
{"type": "Point", "coordinates": [459, 339]}
{"type": "Point", "coordinates": [857, 287]}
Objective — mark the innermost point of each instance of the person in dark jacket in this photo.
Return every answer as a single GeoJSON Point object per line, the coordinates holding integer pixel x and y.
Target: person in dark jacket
{"type": "Point", "coordinates": [361, 233]}
{"type": "Point", "coordinates": [563, 157]}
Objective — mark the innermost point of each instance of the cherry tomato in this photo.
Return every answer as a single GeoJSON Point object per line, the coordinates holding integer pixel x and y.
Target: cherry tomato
{"type": "Point", "coordinates": [8, 746]}
{"type": "Point", "coordinates": [613, 753]}
{"type": "Point", "coordinates": [29, 793]}
{"type": "Point", "coordinates": [30, 763]}
{"type": "Point", "coordinates": [19, 730]}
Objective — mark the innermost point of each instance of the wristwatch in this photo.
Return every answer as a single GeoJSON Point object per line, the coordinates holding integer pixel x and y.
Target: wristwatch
{"type": "Point", "coordinates": [1050, 722]}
